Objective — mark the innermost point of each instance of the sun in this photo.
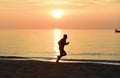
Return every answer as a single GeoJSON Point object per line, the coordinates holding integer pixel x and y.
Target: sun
{"type": "Point", "coordinates": [57, 13]}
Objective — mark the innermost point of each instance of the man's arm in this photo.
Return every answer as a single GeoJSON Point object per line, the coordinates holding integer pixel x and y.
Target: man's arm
{"type": "Point", "coordinates": [67, 43]}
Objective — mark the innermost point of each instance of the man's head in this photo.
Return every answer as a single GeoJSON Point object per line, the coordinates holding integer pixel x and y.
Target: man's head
{"type": "Point", "coordinates": [65, 36]}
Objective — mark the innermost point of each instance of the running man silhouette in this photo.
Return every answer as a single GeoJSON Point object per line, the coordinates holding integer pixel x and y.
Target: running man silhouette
{"type": "Point", "coordinates": [61, 44]}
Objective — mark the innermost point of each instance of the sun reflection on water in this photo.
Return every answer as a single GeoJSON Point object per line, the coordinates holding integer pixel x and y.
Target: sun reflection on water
{"type": "Point", "coordinates": [57, 33]}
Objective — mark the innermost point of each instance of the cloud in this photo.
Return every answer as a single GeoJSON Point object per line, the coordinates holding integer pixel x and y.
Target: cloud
{"type": "Point", "coordinates": [51, 4]}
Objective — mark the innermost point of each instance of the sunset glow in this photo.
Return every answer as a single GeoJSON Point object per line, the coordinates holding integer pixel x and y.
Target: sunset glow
{"type": "Point", "coordinates": [57, 13]}
{"type": "Point", "coordinates": [77, 14]}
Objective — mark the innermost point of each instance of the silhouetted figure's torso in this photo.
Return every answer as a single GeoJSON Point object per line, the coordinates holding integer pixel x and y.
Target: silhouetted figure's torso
{"type": "Point", "coordinates": [62, 43]}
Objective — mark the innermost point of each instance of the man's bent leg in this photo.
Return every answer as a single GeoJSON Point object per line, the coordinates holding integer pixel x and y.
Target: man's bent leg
{"type": "Point", "coordinates": [58, 58]}
{"type": "Point", "coordinates": [64, 53]}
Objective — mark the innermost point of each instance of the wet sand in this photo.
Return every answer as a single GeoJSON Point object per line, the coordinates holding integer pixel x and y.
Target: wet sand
{"type": "Point", "coordinates": [42, 69]}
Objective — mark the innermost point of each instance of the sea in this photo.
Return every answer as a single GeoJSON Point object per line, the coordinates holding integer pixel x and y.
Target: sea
{"type": "Point", "coordinates": [95, 44]}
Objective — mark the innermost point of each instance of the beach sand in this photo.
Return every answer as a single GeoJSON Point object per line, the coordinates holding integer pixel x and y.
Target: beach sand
{"type": "Point", "coordinates": [42, 69]}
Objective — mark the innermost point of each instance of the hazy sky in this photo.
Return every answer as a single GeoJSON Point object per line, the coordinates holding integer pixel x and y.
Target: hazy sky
{"type": "Point", "coordinates": [76, 14]}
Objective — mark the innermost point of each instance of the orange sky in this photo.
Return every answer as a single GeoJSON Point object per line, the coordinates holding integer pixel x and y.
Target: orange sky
{"type": "Point", "coordinates": [77, 14]}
